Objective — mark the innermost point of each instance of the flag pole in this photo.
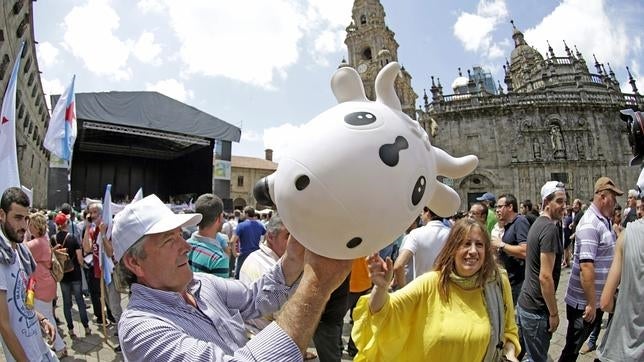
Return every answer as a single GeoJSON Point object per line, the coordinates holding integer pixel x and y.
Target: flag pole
{"type": "Point", "coordinates": [103, 307]}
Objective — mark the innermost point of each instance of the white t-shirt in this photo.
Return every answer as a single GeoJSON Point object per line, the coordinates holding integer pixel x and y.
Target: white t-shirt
{"type": "Point", "coordinates": [24, 322]}
{"type": "Point", "coordinates": [425, 243]}
{"type": "Point", "coordinates": [257, 264]}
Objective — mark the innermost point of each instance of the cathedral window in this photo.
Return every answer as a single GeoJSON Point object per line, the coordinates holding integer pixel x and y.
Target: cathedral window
{"type": "Point", "coordinates": [363, 19]}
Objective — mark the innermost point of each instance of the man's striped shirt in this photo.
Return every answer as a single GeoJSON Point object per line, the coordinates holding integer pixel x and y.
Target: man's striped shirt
{"type": "Point", "coordinates": [594, 242]}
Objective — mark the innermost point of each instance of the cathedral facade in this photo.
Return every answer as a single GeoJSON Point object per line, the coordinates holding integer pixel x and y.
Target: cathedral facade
{"type": "Point", "coordinates": [555, 121]}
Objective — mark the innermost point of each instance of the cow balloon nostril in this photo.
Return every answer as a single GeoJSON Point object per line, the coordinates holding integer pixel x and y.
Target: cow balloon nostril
{"type": "Point", "coordinates": [262, 194]}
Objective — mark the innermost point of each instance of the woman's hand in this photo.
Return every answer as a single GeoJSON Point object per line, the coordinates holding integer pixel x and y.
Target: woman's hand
{"type": "Point", "coordinates": [381, 272]}
{"type": "Point", "coordinates": [509, 351]}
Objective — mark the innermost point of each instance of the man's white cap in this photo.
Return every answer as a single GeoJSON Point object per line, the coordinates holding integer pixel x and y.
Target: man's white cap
{"type": "Point", "coordinates": [145, 217]}
{"type": "Point", "coordinates": [550, 188]}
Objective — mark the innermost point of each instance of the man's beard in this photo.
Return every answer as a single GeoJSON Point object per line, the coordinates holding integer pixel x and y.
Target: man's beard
{"type": "Point", "coordinates": [12, 235]}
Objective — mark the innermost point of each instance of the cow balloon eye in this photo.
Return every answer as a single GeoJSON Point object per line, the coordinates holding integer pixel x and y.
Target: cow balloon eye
{"type": "Point", "coordinates": [418, 191]}
{"type": "Point", "coordinates": [359, 118]}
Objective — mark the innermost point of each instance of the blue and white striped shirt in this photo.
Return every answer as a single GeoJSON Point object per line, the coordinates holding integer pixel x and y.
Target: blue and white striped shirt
{"type": "Point", "coordinates": [160, 325]}
{"type": "Point", "coordinates": [595, 241]}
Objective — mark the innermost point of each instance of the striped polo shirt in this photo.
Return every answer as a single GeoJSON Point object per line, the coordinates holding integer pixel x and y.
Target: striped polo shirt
{"type": "Point", "coordinates": [207, 255]}
{"type": "Point", "coordinates": [594, 241]}
{"type": "Point", "coordinates": [160, 325]}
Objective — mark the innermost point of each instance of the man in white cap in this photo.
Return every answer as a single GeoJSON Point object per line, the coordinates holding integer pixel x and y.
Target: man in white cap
{"type": "Point", "coordinates": [174, 314]}
{"type": "Point", "coordinates": [537, 313]}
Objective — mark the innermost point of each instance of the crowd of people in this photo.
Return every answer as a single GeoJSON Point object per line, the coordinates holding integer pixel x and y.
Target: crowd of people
{"type": "Point", "coordinates": [210, 285]}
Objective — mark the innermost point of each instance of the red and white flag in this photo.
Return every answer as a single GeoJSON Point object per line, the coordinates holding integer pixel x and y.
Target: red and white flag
{"type": "Point", "coordinates": [8, 152]}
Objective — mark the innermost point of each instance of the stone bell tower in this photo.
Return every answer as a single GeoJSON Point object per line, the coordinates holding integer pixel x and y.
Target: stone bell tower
{"type": "Point", "coordinates": [371, 45]}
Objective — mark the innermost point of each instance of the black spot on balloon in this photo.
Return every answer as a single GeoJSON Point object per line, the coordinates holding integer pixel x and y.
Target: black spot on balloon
{"type": "Point", "coordinates": [354, 242]}
{"type": "Point", "coordinates": [390, 152]}
{"type": "Point", "coordinates": [302, 182]}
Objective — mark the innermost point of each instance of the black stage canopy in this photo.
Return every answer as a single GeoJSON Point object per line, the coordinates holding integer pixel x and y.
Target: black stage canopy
{"type": "Point", "coordinates": [141, 139]}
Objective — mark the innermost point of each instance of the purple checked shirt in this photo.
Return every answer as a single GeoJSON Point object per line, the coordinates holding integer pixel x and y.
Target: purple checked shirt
{"type": "Point", "coordinates": [160, 325]}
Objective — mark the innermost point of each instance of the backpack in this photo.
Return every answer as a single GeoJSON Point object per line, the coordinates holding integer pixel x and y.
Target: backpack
{"type": "Point", "coordinates": [56, 270]}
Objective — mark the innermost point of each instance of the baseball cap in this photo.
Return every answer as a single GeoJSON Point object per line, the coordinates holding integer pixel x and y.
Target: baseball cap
{"type": "Point", "coordinates": [605, 183]}
{"type": "Point", "coordinates": [488, 196]}
{"type": "Point", "coordinates": [550, 188]}
{"type": "Point", "coordinates": [60, 219]}
{"type": "Point", "coordinates": [145, 217]}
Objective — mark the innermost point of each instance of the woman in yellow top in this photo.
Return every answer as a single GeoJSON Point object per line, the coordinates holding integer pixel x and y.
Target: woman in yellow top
{"type": "Point", "coordinates": [441, 315]}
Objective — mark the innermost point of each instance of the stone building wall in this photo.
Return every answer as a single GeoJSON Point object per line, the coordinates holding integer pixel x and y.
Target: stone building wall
{"type": "Point", "coordinates": [16, 25]}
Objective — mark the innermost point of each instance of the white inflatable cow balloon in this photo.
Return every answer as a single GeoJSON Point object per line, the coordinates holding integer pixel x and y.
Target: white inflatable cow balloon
{"type": "Point", "coordinates": [360, 172]}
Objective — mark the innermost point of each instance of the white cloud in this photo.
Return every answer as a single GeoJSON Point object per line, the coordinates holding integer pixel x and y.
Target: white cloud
{"type": "Point", "coordinates": [47, 54]}
{"type": "Point", "coordinates": [474, 31]}
{"type": "Point", "coordinates": [150, 6]}
{"type": "Point", "coordinates": [89, 35]}
{"type": "Point", "coordinates": [146, 50]}
{"type": "Point", "coordinates": [249, 135]}
{"type": "Point", "coordinates": [278, 138]}
{"type": "Point", "coordinates": [243, 40]}
{"type": "Point", "coordinates": [50, 87]}
{"type": "Point", "coordinates": [327, 42]}
{"type": "Point", "coordinates": [171, 88]}
{"type": "Point", "coordinates": [326, 21]}
{"type": "Point", "coordinates": [587, 25]}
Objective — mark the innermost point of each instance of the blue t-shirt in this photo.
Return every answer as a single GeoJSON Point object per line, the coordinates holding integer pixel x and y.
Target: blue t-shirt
{"type": "Point", "coordinates": [249, 232]}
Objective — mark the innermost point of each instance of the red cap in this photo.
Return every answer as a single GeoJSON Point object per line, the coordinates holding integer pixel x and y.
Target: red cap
{"type": "Point", "coordinates": [60, 219]}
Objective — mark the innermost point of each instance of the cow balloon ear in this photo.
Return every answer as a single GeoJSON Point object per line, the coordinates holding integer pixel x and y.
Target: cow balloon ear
{"type": "Point", "coordinates": [385, 92]}
{"type": "Point", "coordinates": [347, 86]}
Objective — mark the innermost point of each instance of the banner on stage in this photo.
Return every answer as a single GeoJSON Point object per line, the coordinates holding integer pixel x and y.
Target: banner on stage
{"type": "Point", "coordinates": [222, 170]}
{"type": "Point", "coordinates": [57, 162]}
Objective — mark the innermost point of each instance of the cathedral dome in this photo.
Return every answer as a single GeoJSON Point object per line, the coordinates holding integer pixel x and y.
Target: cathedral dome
{"type": "Point", "coordinates": [522, 51]}
{"type": "Point", "coordinates": [459, 83]}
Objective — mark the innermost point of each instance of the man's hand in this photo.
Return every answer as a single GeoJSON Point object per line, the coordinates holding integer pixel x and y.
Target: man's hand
{"type": "Point", "coordinates": [589, 313]}
{"type": "Point", "coordinates": [553, 322]}
{"type": "Point", "coordinates": [48, 330]}
{"type": "Point", "coordinates": [328, 273]}
{"type": "Point", "coordinates": [496, 242]}
{"type": "Point", "coordinates": [381, 272]}
{"type": "Point", "coordinates": [102, 227]}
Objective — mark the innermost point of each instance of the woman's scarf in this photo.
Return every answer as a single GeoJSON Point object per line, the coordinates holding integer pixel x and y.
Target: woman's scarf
{"type": "Point", "coordinates": [467, 283]}
{"type": "Point", "coordinates": [8, 256]}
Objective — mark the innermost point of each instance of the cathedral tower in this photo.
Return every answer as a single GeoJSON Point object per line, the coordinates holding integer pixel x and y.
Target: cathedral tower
{"type": "Point", "coordinates": [371, 46]}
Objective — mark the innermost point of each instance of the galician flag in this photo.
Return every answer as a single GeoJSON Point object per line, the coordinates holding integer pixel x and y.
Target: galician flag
{"type": "Point", "coordinates": [8, 152]}
{"type": "Point", "coordinates": [107, 266]}
{"type": "Point", "coordinates": [61, 134]}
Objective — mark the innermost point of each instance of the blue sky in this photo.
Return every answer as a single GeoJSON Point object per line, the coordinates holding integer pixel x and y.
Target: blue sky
{"type": "Point", "coordinates": [265, 65]}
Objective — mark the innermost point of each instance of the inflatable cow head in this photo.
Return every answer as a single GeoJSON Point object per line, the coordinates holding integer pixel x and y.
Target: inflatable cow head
{"type": "Point", "coordinates": [360, 173]}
